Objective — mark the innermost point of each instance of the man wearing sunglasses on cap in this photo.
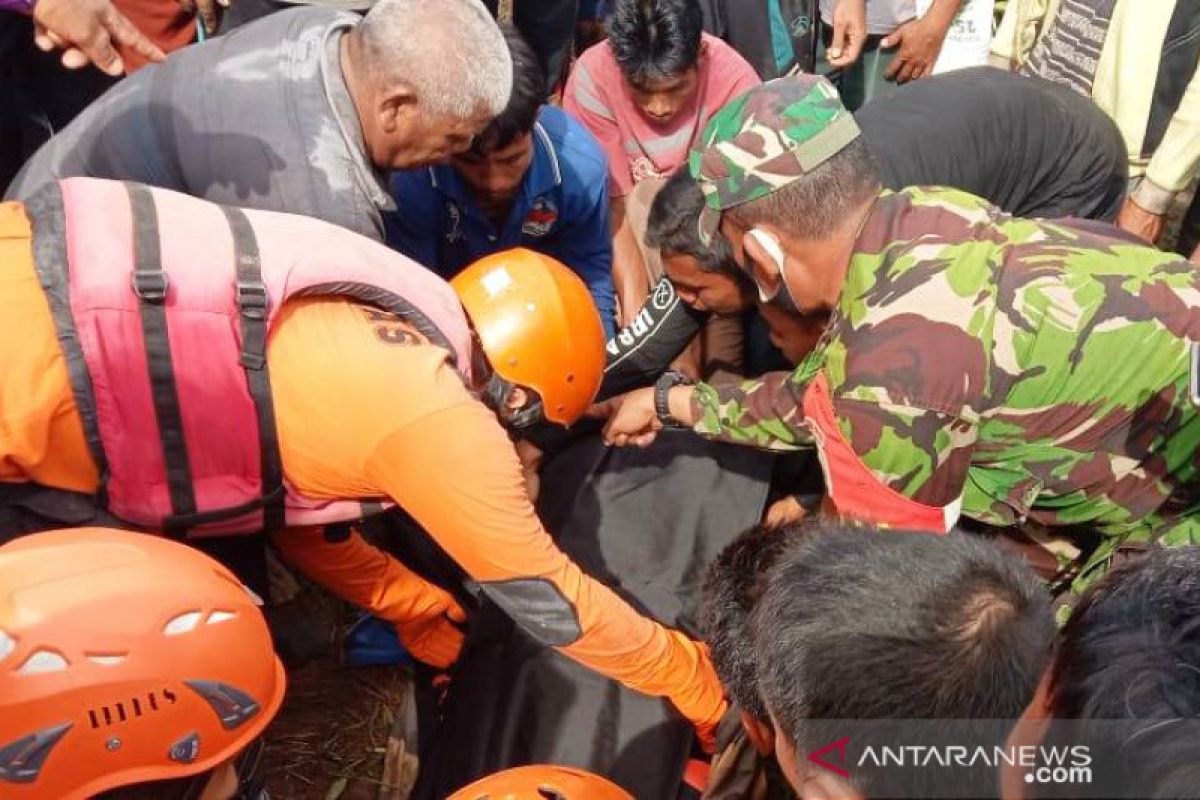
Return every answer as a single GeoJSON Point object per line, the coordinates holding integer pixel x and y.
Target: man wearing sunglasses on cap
{"type": "Point", "coordinates": [974, 364]}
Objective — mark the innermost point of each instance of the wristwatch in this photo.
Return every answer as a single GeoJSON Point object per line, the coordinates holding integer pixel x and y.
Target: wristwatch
{"type": "Point", "coordinates": [662, 392]}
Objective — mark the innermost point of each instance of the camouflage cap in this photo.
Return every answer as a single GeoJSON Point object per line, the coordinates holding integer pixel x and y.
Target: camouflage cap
{"type": "Point", "coordinates": [766, 138]}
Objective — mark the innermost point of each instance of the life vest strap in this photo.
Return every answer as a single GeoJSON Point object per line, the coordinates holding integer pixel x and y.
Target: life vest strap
{"type": "Point", "coordinates": [150, 283]}
{"type": "Point", "coordinates": [252, 302]}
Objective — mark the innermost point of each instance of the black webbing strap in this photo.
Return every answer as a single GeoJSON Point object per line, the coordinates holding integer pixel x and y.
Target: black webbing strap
{"type": "Point", "coordinates": [150, 284]}
{"type": "Point", "coordinates": [252, 302]}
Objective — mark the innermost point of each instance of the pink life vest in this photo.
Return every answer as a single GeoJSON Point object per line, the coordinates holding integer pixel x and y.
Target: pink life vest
{"type": "Point", "coordinates": [163, 304]}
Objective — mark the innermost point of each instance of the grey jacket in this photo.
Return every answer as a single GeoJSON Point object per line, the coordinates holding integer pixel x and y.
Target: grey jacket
{"type": "Point", "coordinates": [259, 118]}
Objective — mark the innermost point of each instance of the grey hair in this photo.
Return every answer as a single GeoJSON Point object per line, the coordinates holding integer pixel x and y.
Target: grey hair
{"type": "Point", "coordinates": [451, 52]}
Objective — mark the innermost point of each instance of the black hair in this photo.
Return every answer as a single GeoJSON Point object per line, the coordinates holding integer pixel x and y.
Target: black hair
{"type": "Point", "coordinates": [170, 789]}
{"type": "Point", "coordinates": [655, 39]}
{"type": "Point", "coordinates": [672, 226]}
{"type": "Point", "coordinates": [528, 94]}
{"type": "Point", "coordinates": [861, 624]}
{"type": "Point", "coordinates": [1130, 654]}
{"type": "Point", "coordinates": [732, 586]}
{"type": "Point", "coordinates": [815, 204]}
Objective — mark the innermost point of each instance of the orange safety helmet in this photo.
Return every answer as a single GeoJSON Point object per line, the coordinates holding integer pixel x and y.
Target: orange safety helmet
{"type": "Point", "coordinates": [538, 326]}
{"type": "Point", "coordinates": [124, 658]}
{"type": "Point", "coordinates": [542, 783]}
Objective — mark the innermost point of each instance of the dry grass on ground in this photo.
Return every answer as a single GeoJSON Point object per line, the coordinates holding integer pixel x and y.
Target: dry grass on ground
{"type": "Point", "coordinates": [330, 739]}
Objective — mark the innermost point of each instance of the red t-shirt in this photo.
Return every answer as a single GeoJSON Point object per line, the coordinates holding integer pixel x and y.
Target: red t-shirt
{"type": "Point", "coordinates": [598, 96]}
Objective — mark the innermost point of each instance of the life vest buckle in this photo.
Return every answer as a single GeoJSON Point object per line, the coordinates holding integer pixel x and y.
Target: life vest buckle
{"type": "Point", "coordinates": [150, 286]}
{"type": "Point", "coordinates": [252, 299]}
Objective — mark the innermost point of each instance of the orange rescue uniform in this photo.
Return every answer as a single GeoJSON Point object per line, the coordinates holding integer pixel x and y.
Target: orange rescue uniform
{"type": "Point", "coordinates": [365, 408]}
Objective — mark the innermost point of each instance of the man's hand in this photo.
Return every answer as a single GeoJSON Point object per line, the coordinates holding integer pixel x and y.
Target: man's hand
{"type": "Point", "coordinates": [605, 408]}
{"type": "Point", "coordinates": [206, 10]}
{"type": "Point", "coordinates": [920, 41]}
{"type": "Point", "coordinates": [86, 31]}
{"type": "Point", "coordinates": [784, 511]}
{"type": "Point", "coordinates": [635, 422]}
{"type": "Point", "coordinates": [632, 290]}
{"type": "Point", "coordinates": [1140, 222]}
{"type": "Point", "coordinates": [849, 33]}
{"type": "Point", "coordinates": [628, 269]}
{"type": "Point", "coordinates": [429, 631]}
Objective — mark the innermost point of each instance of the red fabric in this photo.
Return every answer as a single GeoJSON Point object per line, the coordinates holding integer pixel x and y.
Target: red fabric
{"type": "Point", "coordinates": [854, 490]}
{"type": "Point", "coordinates": [696, 773]}
{"type": "Point", "coordinates": [163, 21]}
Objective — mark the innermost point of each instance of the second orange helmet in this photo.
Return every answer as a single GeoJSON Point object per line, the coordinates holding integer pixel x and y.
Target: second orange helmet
{"type": "Point", "coordinates": [538, 326]}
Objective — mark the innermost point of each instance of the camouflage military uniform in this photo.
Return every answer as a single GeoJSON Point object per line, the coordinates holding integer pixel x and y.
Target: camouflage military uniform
{"type": "Point", "coordinates": [1034, 370]}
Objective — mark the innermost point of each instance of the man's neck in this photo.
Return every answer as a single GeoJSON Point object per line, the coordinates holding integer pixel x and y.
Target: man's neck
{"type": "Point", "coordinates": [830, 257]}
{"type": "Point", "coordinates": [496, 213]}
{"type": "Point", "coordinates": [349, 59]}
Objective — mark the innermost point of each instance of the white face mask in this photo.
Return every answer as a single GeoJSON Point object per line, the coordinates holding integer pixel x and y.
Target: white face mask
{"type": "Point", "coordinates": [774, 251]}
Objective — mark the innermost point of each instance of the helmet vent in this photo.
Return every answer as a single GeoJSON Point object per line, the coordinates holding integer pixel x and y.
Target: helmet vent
{"type": "Point", "coordinates": [182, 623]}
{"type": "Point", "coordinates": [43, 661]}
{"type": "Point", "coordinates": [131, 709]}
{"type": "Point", "coordinates": [220, 616]}
{"type": "Point", "coordinates": [106, 659]}
{"type": "Point", "coordinates": [7, 644]}
{"type": "Point", "coordinates": [551, 794]}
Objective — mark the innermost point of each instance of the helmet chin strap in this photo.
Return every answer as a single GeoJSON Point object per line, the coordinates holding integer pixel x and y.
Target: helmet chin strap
{"type": "Point", "coordinates": [496, 395]}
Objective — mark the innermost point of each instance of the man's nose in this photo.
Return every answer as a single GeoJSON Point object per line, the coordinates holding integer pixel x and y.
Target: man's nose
{"type": "Point", "coordinates": [658, 106]}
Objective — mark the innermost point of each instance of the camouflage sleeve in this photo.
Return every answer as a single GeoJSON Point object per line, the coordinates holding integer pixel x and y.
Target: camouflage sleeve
{"type": "Point", "coordinates": [764, 412]}
{"type": "Point", "coordinates": [906, 436]}
{"type": "Point", "coordinates": [920, 453]}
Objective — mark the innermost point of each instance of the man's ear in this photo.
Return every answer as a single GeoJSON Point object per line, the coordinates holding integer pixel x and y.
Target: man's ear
{"type": "Point", "coordinates": [396, 105]}
{"type": "Point", "coordinates": [518, 398]}
{"type": "Point", "coordinates": [764, 256]}
{"type": "Point", "coordinates": [1029, 731]}
{"type": "Point", "coordinates": [761, 734]}
{"type": "Point", "coordinates": [821, 784]}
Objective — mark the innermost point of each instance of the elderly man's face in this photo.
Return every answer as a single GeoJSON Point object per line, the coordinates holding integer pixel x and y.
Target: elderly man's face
{"type": "Point", "coordinates": [661, 100]}
{"type": "Point", "coordinates": [416, 138]}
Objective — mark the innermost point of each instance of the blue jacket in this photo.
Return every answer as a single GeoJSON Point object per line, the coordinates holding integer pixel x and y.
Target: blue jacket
{"type": "Point", "coordinates": [561, 210]}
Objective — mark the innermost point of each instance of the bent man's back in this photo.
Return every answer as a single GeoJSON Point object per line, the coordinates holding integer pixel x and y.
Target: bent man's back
{"type": "Point", "coordinates": [260, 118]}
{"type": "Point", "coordinates": [1031, 147]}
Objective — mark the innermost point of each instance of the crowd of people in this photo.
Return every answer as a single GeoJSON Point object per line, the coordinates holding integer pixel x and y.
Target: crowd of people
{"type": "Point", "coordinates": [472, 321]}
